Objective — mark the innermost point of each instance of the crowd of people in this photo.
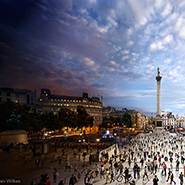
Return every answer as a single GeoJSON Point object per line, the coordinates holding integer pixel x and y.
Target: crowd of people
{"type": "Point", "coordinates": [147, 158]}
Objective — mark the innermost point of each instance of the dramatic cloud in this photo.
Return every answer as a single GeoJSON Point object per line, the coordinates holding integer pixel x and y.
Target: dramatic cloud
{"type": "Point", "coordinates": [111, 48]}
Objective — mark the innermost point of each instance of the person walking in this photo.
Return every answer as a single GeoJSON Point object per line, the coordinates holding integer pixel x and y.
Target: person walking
{"type": "Point", "coordinates": [83, 166]}
{"type": "Point", "coordinates": [75, 168]}
{"type": "Point", "coordinates": [96, 170]}
{"type": "Point", "coordinates": [135, 170]}
{"type": "Point", "coordinates": [107, 176]}
{"type": "Point", "coordinates": [181, 178]}
{"type": "Point", "coordinates": [145, 173]}
{"type": "Point", "coordinates": [86, 179]}
{"type": "Point", "coordinates": [155, 180]}
{"type": "Point", "coordinates": [138, 171]}
{"type": "Point", "coordinates": [72, 180]}
{"type": "Point", "coordinates": [55, 173]}
{"type": "Point", "coordinates": [121, 168]}
{"type": "Point", "coordinates": [126, 172]}
{"type": "Point", "coordinates": [177, 165]}
{"type": "Point", "coordinates": [169, 174]}
{"type": "Point", "coordinates": [66, 166]}
{"type": "Point", "coordinates": [172, 177]}
{"type": "Point", "coordinates": [37, 161]}
{"type": "Point", "coordinates": [164, 169]}
{"type": "Point", "coordinates": [91, 179]}
{"type": "Point", "coordinates": [102, 171]}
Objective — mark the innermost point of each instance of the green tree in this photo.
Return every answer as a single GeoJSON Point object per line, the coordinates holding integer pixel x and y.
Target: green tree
{"type": "Point", "coordinates": [82, 117]}
{"type": "Point", "coordinates": [127, 119]}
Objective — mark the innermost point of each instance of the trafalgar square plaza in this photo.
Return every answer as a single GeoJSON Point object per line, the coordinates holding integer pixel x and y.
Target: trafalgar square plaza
{"type": "Point", "coordinates": [156, 157]}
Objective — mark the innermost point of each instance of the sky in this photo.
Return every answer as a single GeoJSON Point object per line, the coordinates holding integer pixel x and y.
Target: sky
{"type": "Point", "coordinates": [108, 48]}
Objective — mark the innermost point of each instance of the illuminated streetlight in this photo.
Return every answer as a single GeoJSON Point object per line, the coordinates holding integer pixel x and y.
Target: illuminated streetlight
{"type": "Point", "coordinates": [97, 140]}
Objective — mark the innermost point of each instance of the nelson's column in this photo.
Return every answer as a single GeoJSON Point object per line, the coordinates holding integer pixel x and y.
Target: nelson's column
{"type": "Point", "coordinates": [158, 119]}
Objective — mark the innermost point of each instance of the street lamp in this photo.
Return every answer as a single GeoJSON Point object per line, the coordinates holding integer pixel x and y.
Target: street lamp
{"type": "Point", "coordinates": [97, 139]}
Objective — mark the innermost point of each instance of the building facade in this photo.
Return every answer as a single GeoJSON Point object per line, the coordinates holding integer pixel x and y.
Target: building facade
{"type": "Point", "coordinates": [21, 96]}
{"type": "Point", "coordinates": [169, 120]}
{"type": "Point", "coordinates": [53, 103]}
{"type": "Point", "coordinates": [136, 116]}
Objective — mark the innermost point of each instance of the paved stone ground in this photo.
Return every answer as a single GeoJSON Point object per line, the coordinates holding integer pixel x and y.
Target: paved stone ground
{"type": "Point", "coordinates": [12, 167]}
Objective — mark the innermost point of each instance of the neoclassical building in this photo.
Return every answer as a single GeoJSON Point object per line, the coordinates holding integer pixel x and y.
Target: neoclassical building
{"type": "Point", "coordinates": [53, 103]}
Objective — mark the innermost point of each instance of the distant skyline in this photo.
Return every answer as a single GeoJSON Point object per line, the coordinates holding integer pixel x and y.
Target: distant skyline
{"type": "Point", "coordinates": [110, 48]}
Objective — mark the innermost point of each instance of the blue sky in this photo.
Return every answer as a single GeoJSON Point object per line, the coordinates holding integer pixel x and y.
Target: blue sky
{"type": "Point", "coordinates": [110, 48]}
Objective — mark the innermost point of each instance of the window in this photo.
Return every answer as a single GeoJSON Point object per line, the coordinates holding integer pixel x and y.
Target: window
{"type": "Point", "coordinates": [51, 99]}
{"type": "Point", "coordinates": [67, 100]}
{"type": "Point", "coordinates": [73, 100]}
{"type": "Point", "coordinates": [8, 99]}
{"type": "Point", "coordinates": [61, 99]}
{"type": "Point", "coordinates": [84, 100]}
{"type": "Point", "coordinates": [8, 94]}
{"type": "Point", "coordinates": [70, 100]}
{"type": "Point", "coordinates": [16, 101]}
{"type": "Point", "coordinates": [79, 101]}
{"type": "Point", "coordinates": [76, 100]}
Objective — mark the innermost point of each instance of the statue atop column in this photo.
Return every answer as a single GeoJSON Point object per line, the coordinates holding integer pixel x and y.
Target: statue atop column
{"type": "Point", "coordinates": [158, 77]}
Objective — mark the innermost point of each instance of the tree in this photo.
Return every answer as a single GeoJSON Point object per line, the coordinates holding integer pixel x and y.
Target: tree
{"type": "Point", "coordinates": [127, 119]}
{"type": "Point", "coordinates": [107, 123]}
{"type": "Point", "coordinates": [82, 117]}
{"type": "Point", "coordinates": [67, 118]}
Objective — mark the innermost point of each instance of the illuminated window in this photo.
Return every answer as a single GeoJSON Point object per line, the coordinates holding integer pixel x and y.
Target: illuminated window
{"type": "Point", "coordinates": [58, 104]}
{"type": "Point", "coordinates": [84, 100]}
{"type": "Point", "coordinates": [70, 100]}
{"type": "Point", "coordinates": [79, 101]}
{"type": "Point", "coordinates": [67, 104]}
{"type": "Point", "coordinates": [64, 104]}
{"type": "Point", "coordinates": [55, 99]}
{"type": "Point", "coordinates": [61, 99]}
{"type": "Point", "coordinates": [51, 99]}
{"type": "Point", "coordinates": [54, 104]}
{"type": "Point", "coordinates": [76, 100]}
{"type": "Point", "coordinates": [16, 101]}
{"type": "Point", "coordinates": [73, 100]}
{"type": "Point", "coordinates": [65, 100]}
{"type": "Point", "coordinates": [40, 100]}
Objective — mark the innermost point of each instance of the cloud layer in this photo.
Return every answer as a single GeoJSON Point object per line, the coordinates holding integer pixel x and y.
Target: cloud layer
{"type": "Point", "coordinates": [111, 48]}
